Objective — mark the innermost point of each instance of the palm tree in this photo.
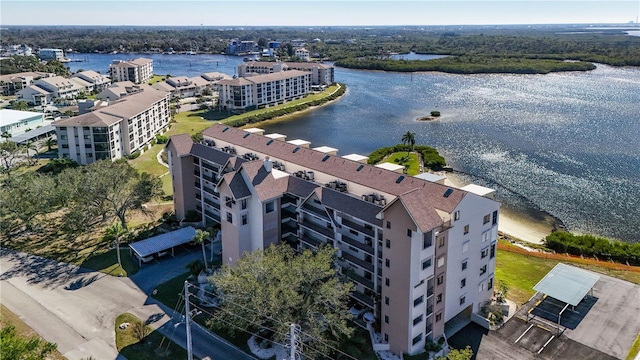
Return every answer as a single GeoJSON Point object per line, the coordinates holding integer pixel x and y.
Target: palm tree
{"type": "Point", "coordinates": [28, 146]}
{"type": "Point", "coordinates": [117, 233]}
{"type": "Point", "coordinates": [49, 143]}
{"type": "Point", "coordinates": [409, 138]}
{"type": "Point", "coordinates": [200, 238]}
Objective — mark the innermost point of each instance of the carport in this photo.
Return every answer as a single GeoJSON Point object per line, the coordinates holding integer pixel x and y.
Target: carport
{"type": "Point", "coordinates": [566, 284]}
{"type": "Point", "coordinates": [153, 245]}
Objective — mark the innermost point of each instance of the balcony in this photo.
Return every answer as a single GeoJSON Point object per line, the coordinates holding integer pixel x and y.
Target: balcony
{"type": "Point", "coordinates": [361, 263]}
{"type": "Point", "coordinates": [429, 310]}
{"type": "Point", "coordinates": [213, 179]}
{"type": "Point", "coordinates": [210, 167]}
{"type": "Point", "coordinates": [362, 298]}
{"type": "Point", "coordinates": [289, 200]}
{"type": "Point", "coordinates": [357, 227]}
{"type": "Point", "coordinates": [212, 215]}
{"type": "Point", "coordinates": [310, 240]}
{"type": "Point", "coordinates": [289, 227]}
{"type": "Point", "coordinates": [357, 244]}
{"type": "Point", "coordinates": [430, 291]}
{"type": "Point", "coordinates": [288, 214]}
{"type": "Point", "coordinates": [317, 228]}
{"type": "Point", "coordinates": [210, 191]}
{"type": "Point", "coordinates": [291, 239]}
{"type": "Point", "coordinates": [359, 279]}
{"type": "Point", "coordinates": [212, 203]}
{"type": "Point", "coordinates": [315, 211]}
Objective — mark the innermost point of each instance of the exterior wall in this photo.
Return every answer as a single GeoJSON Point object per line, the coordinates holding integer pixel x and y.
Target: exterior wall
{"type": "Point", "coordinates": [51, 54]}
{"type": "Point", "coordinates": [182, 179]}
{"type": "Point", "coordinates": [20, 127]}
{"type": "Point", "coordinates": [34, 97]}
{"type": "Point", "coordinates": [143, 127]}
{"type": "Point", "coordinates": [125, 71]}
{"type": "Point", "coordinates": [440, 288]}
{"type": "Point", "coordinates": [232, 246]}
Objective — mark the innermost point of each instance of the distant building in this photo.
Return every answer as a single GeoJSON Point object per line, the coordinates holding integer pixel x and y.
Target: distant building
{"type": "Point", "coordinates": [138, 71]}
{"type": "Point", "coordinates": [12, 83]}
{"type": "Point", "coordinates": [263, 89]}
{"type": "Point", "coordinates": [182, 86]}
{"type": "Point", "coordinates": [51, 54]}
{"type": "Point", "coordinates": [19, 50]}
{"type": "Point", "coordinates": [321, 74]}
{"type": "Point", "coordinates": [302, 53]}
{"type": "Point", "coordinates": [15, 122]}
{"type": "Point", "coordinates": [236, 47]}
{"type": "Point", "coordinates": [116, 130]}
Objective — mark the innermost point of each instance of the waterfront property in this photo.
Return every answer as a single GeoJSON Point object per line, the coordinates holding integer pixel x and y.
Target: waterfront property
{"type": "Point", "coordinates": [264, 89]}
{"type": "Point", "coordinates": [116, 130]}
{"type": "Point", "coordinates": [51, 54]}
{"type": "Point", "coordinates": [321, 74]}
{"type": "Point", "coordinates": [97, 82]}
{"type": "Point", "coordinates": [48, 89]}
{"type": "Point", "coordinates": [182, 86]}
{"type": "Point", "coordinates": [12, 83]}
{"type": "Point", "coordinates": [421, 254]}
{"type": "Point", "coordinates": [138, 71]}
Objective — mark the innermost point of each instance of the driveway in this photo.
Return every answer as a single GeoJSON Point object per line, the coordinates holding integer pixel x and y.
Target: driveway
{"type": "Point", "coordinates": [76, 308]}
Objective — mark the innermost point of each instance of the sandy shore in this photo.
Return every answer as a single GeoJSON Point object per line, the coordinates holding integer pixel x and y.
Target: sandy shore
{"type": "Point", "coordinates": [512, 223]}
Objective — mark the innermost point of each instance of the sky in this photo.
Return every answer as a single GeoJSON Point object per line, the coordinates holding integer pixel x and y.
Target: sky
{"type": "Point", "coordinates": [315, 12]}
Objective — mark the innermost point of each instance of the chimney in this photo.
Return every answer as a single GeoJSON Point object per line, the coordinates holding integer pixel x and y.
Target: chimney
{"type": "Point", "coordinates": [268, 165]}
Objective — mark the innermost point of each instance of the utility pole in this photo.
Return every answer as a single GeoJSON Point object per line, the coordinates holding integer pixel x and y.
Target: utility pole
{"type": "Point", "coordinates": [292, 339]}
{"type": "Point", "coordinates": [187, 314]}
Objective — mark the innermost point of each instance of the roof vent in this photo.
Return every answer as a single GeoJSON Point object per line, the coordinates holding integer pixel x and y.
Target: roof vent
{"type": "Point", "coordinates": [296, 149]}
{"type": "Point", "coordinates": [269, 142]}
{"type": "Point", "coordinates": [245, 135]}
{"type": "Point", "coordinates": [325, 158]}
{"type": "Point", "coordinates": [448, 192]}
{"type": "Point", "coordinates": [400, 178]}
{"type": "Point", "coordinates": [225, 129]}
{"type": "Point", "coordinates": [360, 167]}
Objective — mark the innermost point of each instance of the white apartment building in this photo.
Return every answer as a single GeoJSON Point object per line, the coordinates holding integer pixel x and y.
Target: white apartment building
{"type": "Point", "coordinates": [421, 254]}
{"type": "Point", "coordinates": [47, 89]}
{"type": "Point", "coordinates": [182, 86]}
{"type": "Point", "coordinates": [12, 83]}
{"type": "Point", "coordinates": [302, 53]}
{"type": "Point", "coordinates": [116, 130]}
{"type": "Point", "coordinates": [98, 81]}
{"type": "Point", "coordinates": [138, 71]}
{"type": "Point", "coordinates": [263, 89]}
{"type": "Point", "coordinates": [321, 74]}
{"type": "Point", "coordinates": [51, 54]}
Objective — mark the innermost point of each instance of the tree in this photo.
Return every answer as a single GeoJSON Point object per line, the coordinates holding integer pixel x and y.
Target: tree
{"type": "Point", "coordinates": [19, 105]}
{"type": "Point", "coordinates": [50, 143]}
{"type": "Point", "coordinates": [25, 197]}
{"type": "Point", "coordinates": [15, 347]}
{"type": "Point", "coordinates": [140, 330]}
{"type": "Point", "coordinates": [117, 233]}
{"type": "Point", "coordinates": [9, 156]}
{"type": "Point", "coordinates": [455, 354]}
{"type": "Point", "coordinates": [200, 238]}
{"type": "Point", "coordinates": [409, 138]}
{"type": "Point", "coordinates": [272, 288]}
{"type": "Point", "coordinates": [28, 146]}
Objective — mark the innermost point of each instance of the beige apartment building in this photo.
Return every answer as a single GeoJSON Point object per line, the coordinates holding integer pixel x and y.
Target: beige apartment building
{"type": "Point", "coordinates": [421, 254]}
{"type": "Point", "coordinates": [137, 71]}
{"type": "Point", "coordinates": [321, 74]}
{"type": "Point", "coordinates": [115, 130]}
{"type": "Point", "coordinates": [263, 89]}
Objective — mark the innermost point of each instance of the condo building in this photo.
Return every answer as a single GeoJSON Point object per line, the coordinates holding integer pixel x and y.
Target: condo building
{"type": "Point", "coordinates": [137, 71]}
{"type": "Point", "coordinates": [421, 254]}
{"type": "Point", "coordinates": [321, 74]}
{"type": "Point", "coordinates": [116, 129]}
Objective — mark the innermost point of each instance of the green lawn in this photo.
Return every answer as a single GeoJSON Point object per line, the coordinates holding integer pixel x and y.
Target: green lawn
{"type": "Point", "coordinates": [156, 78]}
{"type": "Point", "coordinates": [22, 329]}
{"type": "Point", "coordinates": [413, 162]}
{"type": "Point", "coordinates": [635, 348]}
{"type": "Point", "coordinates": [168, 292]}
{"type": "Point", "coordinates": [153, 346]}
{"type": "Point", "coordinates": [107, 263]}
{"type": "Point", "coordinates": [521, 273]}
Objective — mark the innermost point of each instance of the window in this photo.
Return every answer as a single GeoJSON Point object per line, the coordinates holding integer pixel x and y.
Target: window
{"type": "Point", "coordinates": [426, 242]}
{"type": "Point", "coordinates": [409, 232]}
{"type": "Point", "coordinates": [87, 137]}
{"type": "Point", "coordinates": [441, 241]}
{"type": "Point", "coordinates": [495, 217]}
{"type": "Point", "coordinates": [244, 219]}
{"type": "Point", "coordinates": [440, 279]}
{"type": "Point", "coordinates": [439, 298]}
{"type": "Point", "coordinates": [418, 301]}
{"type": "Point", "coordinates": [386, 319]}
{"type": "Point", "coordinates": [386, 262]}
{"type": "Point", "coordinates": [243, 204]}
{"type": "Point", "coordinates": [388, 244]}
{"type": "Point", "coordinates": [417, 320]}
{"type": "Point", "coordinates": [386, 281]}
{"type": "Point", "coordinates": [426, 263]}
{"type": "Point", "coordinates": [441, 261]}
{"type": "Point", "coordinates": [490, 284]}
{"type": "Point", "coordinates": [483, 270]}
{"type": "Point", "coordinates": [65, 146]}
{"type": "Point", "coordinates": [269, 207]}
{"type": "Point", "coordinates": [463, 283]}
{"type": "Point", "coordinates": [462, 300]}
{"type": "Point", "coordinates": [465, 246]}
{"type": "Point", "coordinates": [456, 215]}
{"type": "Point", "coordinates": [388, 225]}
{"type": "Point", "coordinates": [386, 300]}
{"type": "Point", "coordinates": [486, 235]}
{"type": "Point", "coordinates": [230, 217]}
{"type": "Point", "coordinates": [464, 265]}
{"type": "Point", "coordinates": [228, 202]}
{"type": "Point", "coordinates": [481, 287]}
{"type": "Point", "coordinates": [63, 137]}
{"type": "Point", "coordinates": [438, 316]}
{"type": "Point", "coordinates": [492, 252]}
{"type": "Point", "coordinates": [466, 229]}
{"type": "Point", "coordinates": [386, 337]}
{"type": "Point", "coordinates": [486, 219]}
{"type": "Point", "coordinates": [484, 253]}
{"type": "Point", "coordinates": [417, 339]}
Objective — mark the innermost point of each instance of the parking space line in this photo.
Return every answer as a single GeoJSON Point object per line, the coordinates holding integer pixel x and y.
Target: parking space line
{"type": "Point", "coordinates": [529, 328]}
{"type": "Point", "coordinates": [545, 344]}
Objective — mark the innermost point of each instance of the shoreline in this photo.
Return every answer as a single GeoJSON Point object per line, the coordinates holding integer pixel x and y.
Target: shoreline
{"type": "Point", "coordinates": [287, 116]}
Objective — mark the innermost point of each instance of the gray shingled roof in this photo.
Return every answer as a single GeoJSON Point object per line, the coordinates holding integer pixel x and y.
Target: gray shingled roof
{"type": "Point", "coordinates": [351, 205]}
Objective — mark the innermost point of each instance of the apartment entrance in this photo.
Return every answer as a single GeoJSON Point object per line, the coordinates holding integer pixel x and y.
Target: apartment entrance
{"type": "Point", "coordinates": [458, 322]}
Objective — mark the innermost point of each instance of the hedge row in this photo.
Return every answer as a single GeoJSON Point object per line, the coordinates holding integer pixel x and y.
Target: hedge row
{"type": "Point", "coordinates": [589, 245]}
{"type": "Point", "coordinates": [252, 119]}
{"type": "Point", "coordinates": [430, 156]}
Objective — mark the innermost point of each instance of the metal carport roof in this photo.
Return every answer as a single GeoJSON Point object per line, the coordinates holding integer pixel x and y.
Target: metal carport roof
{"type": "Point", "coordinates": [567, 283]}
{"type": "Point", "coordinates": [152, 245]}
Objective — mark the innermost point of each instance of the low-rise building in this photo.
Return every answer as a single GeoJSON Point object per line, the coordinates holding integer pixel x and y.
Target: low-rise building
{"type": "Point", "coordinates": [16, 122]}
{"type": "Point", "coordinates": [263, 89]}
{"type": "Point", "coordinates": [119, 129]}
{"type": "Point", "coordinates": [302, 54]}
{"type": "Point", "coordinates": [59, 87]}
{"type": "Point", "coordinates": [51, 54]}
{"type": "Point", "coordinates": [182, 86]}
{"type": "Point", "coordinates": [138, 71]}
{"type": "Point", "coordinates": [321, 74]}
{"type": "Point", "coordinates": [98, 81]}
{"type": "Point", "coordinates": [117, 90]}
{"type": "Point", "coordinates": [10, 84]}
{"type": "Point", "coordinates": [420, 254]}
{"type": "Point", "coordinates": [35, 95]}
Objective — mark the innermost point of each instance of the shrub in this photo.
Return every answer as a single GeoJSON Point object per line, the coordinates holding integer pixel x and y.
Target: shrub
{"type": "Point", "coordinates": [161, 139]}
{"type": "Point", "coordinates": [589, 245]}
{"type": "Point", "coordinates": [192, 216]}
{"type": "Point", "coordinates": [435, 113]}
{"type": "Point", "coordinates": [134, 155]}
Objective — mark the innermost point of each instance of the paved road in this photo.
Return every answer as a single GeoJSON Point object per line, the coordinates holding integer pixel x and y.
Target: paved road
{"type": "Point", "coordinates": [76, 308]}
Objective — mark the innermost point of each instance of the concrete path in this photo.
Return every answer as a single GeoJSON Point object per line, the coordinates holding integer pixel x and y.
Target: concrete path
{"type": "Point", "coordinates": [76, 308]}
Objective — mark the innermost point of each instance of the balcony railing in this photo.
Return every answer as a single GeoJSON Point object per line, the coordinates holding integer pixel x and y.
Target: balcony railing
{"type": "Point", "coordinates": [315, 211]}
{"type": "Point", "coordinates": [429, 310]}
{"type": "Point", "coordinates": [357, 244]}
{"type": "Point", "coordinates": [362, 298]}
{"type": "Point", "coordinates": [212, 203]}
{"type": "Point", "coordinates": [288, 213]}
{"type": "Point", "coordinates": [359, 279]}
{"type": "Point", "coordinates": [357, 227]}
{"type": "Point", "coordinates": [310, 240]}
{"type": "Point", "coordinates": [212, 215]}
{"type": "Point", "coordinates": [361, 263]}
{"type": "Point", "coordinates": [317, 228]}
{"type": "Point", "coordinates": [429, 291]}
